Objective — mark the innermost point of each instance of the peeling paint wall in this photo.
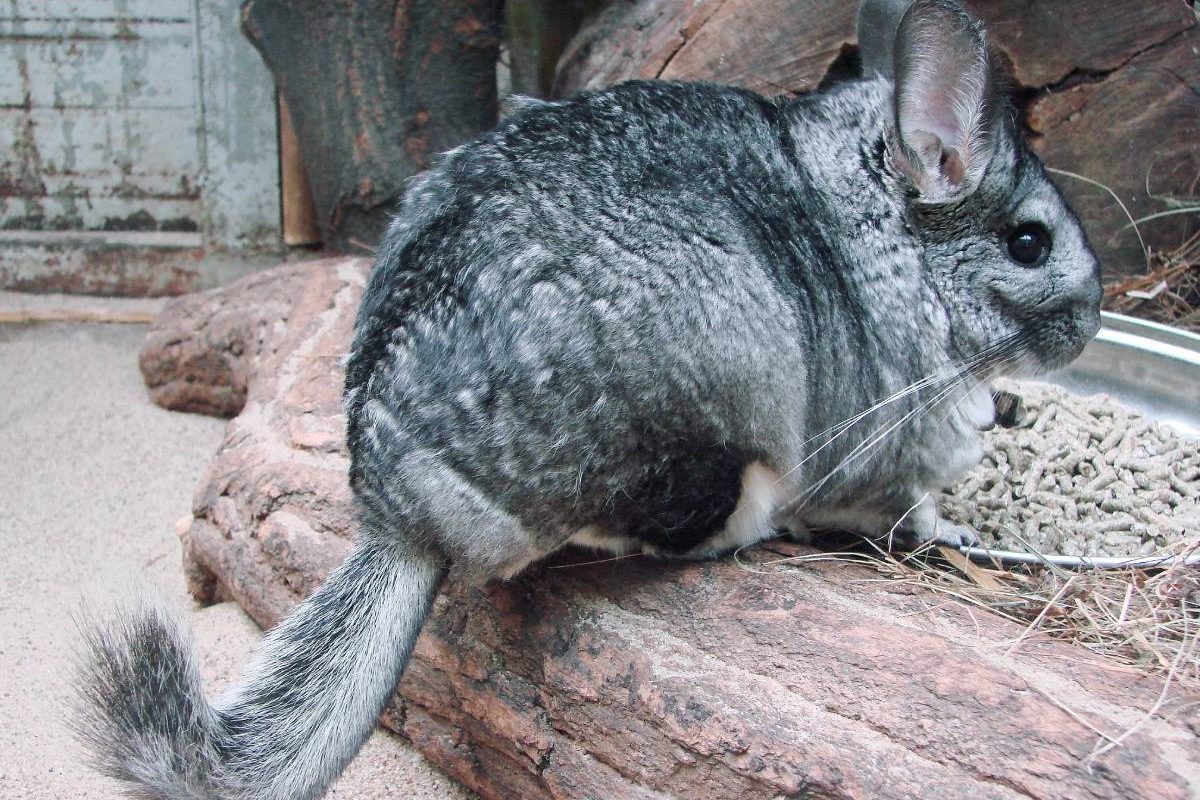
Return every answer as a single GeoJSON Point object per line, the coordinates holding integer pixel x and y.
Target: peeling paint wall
{"type": "Point", "coordinates": [136, 118]}
{"type": "Point", "coordinates": [240, 139]}
{"type": "Point", "coordinates": [98, 104]}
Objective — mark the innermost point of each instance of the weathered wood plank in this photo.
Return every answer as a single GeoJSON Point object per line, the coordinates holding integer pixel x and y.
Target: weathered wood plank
{"type": "Point", "coordinates": [101, 263]}
{"type": "Point", "coordinates": [134, 115]}
{"type": "Point", "coordinates": [240, 134]}
{"type": "Point", "coordinates": [94, 212]}
{"type": "Point", "coordinates": [137, 66]}
{"type": "Point", "coordinates": [81, 168]}
{"type": "Point", "coordinates": [97, 9]}
{"type": "Point", "coordinates": [98, 125]}
{"type": "Point", "coordinates": [140, 147]}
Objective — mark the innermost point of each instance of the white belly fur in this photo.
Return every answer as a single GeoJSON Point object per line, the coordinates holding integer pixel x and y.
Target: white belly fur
{"type": "Point", "coordinates": [750, 522]}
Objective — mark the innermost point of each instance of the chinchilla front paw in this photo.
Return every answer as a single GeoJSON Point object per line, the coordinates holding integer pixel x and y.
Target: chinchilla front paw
{"type": "Point", "coordinates": [955, 535]}
{"type": "Point", "coordinates": [941, 532]}
{"type": "Point", "coordinates": [795, 532]}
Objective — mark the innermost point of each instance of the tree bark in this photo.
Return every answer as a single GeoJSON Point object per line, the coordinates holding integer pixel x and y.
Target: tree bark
{"type": "Point", "coordinates": [376, 89]}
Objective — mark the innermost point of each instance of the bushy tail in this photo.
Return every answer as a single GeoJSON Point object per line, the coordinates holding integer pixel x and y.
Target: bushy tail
{"type": "Point", "coordinates": [306, 704]}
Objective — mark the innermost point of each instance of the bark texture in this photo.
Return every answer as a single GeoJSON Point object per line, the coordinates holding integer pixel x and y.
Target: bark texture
{"type": "Point", "coordinates": [739, 679]}
{"type": "Point", "coordinates": [1109, 89]}
{"type": "Point", "coordinates": [376, 89]}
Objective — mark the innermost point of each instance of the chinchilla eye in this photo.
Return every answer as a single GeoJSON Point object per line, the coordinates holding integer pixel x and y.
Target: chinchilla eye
{"type": "Point", "coordinates": [1029, 244]}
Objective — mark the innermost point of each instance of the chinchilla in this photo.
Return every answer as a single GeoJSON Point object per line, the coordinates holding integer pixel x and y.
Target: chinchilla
{"type": "Point", "coordinates": [663, 316]}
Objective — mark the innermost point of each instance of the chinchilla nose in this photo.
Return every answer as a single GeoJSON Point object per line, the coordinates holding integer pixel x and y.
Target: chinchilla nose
{"type": "Point", "coordinates": [1088, 316]}
{"type": "Point", "coordinates": [1085, 301]}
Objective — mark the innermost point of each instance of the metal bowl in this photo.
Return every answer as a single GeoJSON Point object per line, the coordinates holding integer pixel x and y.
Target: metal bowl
{"type": "Point", "coordinates": [1146, 366]}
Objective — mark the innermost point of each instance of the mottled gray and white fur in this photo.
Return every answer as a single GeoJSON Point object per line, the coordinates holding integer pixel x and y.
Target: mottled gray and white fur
{"type": "Point", "coordinates": [668, 317]}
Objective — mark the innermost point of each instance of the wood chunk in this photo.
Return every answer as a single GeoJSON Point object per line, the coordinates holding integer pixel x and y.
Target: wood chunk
{"type": "Point", "coordinates": [635, 678]}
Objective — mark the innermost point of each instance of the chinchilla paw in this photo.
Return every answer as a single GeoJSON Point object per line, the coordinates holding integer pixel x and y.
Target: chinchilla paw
{"type": "Point", "coordinates": [954, 535]}
{"type": "Point", "coordinates": [796, 534]}
{"type": "Point", "coordinates": [945, 533]}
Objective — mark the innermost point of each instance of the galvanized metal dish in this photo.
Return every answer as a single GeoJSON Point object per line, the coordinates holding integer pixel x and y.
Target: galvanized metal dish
{"type": "Point", "coordinates": [1144, 365]}
{"type": "Point", "coordinates": [1149, 367]}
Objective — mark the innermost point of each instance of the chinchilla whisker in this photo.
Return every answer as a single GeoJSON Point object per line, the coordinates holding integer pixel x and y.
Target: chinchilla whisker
{"type": "Point", "coordinates": [797, 503]}
{"type": "Point", "coordinates": [835, 432]}
{"type": "Point", "coordinates": [900, 520]}
{"type": "Point", "coordinates": [900, 394]}
{"type": "Point", "coordinates": [990, 355]}
{"type": "Point", "coordinates": [952, 407]}
{"type": "Point", "coordinates": [842, 428]}
{"type": "Point", "coordinates": [1003, 362]}
{"type": "Point", "coordinates": [867, 446]}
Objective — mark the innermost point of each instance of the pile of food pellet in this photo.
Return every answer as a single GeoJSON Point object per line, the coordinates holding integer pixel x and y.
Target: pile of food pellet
{"type": "Point", "coordinates": [1080, 476]}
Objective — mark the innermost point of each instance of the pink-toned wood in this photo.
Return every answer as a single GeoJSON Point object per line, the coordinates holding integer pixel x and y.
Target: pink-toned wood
{"type": "Point", "coordinates": [744, 679]}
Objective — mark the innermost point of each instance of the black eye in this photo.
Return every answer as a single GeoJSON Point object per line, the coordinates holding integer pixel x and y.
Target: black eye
{"type": "Point", "coordinates": [1029, 244]}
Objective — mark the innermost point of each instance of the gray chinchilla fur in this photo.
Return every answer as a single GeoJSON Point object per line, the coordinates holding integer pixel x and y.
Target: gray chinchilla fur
{"type": "Point", "coordinates": [668, 317]}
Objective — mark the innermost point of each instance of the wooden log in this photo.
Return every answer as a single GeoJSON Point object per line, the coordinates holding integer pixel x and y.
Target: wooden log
{"type": "Point", "coordinates": [629, 678]}
{"type": "Point", "coordinates": [376, 89]}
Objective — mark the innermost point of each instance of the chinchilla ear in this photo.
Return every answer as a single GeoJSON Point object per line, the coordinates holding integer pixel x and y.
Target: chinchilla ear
{"type": "Point", "coordinates": [878, 21]}
{"type": "Point", "coordinates": [946, 96]}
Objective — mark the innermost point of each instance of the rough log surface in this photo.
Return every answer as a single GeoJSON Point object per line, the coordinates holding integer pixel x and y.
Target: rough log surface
{"type": "Point", "coordinates": [536, 32]}
{"type": "Point", "coordinates": [1110, 89]}
{"type": "Point", "coordinates": [376, 89]}
{"type": "Point", "coordinates": [633, 678]}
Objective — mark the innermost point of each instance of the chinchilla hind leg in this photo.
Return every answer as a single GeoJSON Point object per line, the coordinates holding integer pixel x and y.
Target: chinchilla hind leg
{"type": "Point", "coordinates": [902, 528]}
{"type": "Point", "coordinates": [481, 539]}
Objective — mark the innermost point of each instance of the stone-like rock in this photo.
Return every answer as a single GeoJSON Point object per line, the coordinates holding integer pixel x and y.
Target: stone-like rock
{"type": "Point", "coordinates": [629, 678]}
{"type": "Point", "coordinates": [1110, 89]}
{"type": "Point", "coordinates": [199, 355]}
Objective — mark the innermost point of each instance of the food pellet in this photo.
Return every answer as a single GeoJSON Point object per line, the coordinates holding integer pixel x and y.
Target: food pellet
{"type": "Point", "coordinates": [1083, 476]}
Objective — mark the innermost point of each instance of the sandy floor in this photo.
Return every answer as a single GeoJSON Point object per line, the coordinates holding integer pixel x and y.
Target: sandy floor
{"type": "Point", "coordinates": [92, 480]}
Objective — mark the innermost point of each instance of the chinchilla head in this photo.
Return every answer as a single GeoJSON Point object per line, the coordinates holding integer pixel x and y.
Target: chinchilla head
{"type": "Point", "coordinates": [1005, 253]}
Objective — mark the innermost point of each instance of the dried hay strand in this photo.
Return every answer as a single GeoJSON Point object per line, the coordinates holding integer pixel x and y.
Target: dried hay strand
{"type": "Point", "coordinates": [1145, 619]}
{"type": "Point", "coordinates": [1169, 292]}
